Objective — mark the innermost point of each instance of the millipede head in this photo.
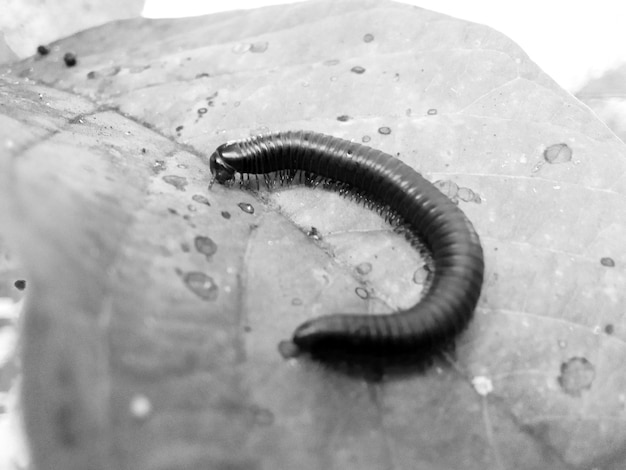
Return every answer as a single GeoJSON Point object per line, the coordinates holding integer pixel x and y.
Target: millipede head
{"type": "Point", "coordinates": [222, 171]}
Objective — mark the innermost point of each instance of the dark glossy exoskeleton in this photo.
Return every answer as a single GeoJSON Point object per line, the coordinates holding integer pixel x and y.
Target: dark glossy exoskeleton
{"type": "Point", "coordinates": [449, 303]}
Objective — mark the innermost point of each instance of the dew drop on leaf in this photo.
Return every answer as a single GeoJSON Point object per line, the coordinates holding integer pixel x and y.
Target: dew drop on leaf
{"type": "Point", "coordinates": [362, 293]}
{"type": "Point", "coordinates": [246, 207]}
{"type": "Point", "coordinates": [179, 182]}
{"type": "Point", "coordinates": [364, 268]}
{"type": "Point", "coordinates": [199, 198]}
{"type": "Point", "coordinates": [558, 153]}
{"type": "Point", "coordinates": [200, 284]}
{"type": "Point", "coordinates": [608, 262]}
{"type": "Point", "coordinates": [205, 245]}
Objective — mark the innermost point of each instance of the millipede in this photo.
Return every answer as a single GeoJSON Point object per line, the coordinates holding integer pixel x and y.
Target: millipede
{"type": "Point", "coordinates": [407, 200]}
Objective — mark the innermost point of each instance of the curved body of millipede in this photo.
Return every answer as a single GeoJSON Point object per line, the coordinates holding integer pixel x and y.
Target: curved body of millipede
{"type": "Point", "coordinates": [397, 189]}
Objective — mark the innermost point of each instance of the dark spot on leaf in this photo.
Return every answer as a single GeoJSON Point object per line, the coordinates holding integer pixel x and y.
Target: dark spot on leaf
{"type": "Point", "coordinates": [343, 118]}
{"type": "Point", "coordinates": [158, 166]}
{"type": "Point", "coordinates": [314, 234]}
{"type": "Point", "coordinates": [185, 247]}
{"type": "Point", "coordinates": [262, 416]}
{"type": "Point", "coordinates": [179, 182]}
{"type": "Point", "coordinates": [577, 374]}
{"type": "Point", "coordinates": [357, 69]}
{"type": "Point", "coordinates": [201, 199]}
{"type": "Point", "coordinates": [20, 284]}
{"type": "Point", "coordinates": [143, 150]}
{"type": "Point", "coordinates": [226, 214]}
{"type": "Point", "coordinates": [70, 59]}
{"type": "Point", "coordinates": [296, 301]}
{"type": "Point", "coordinates": [384, 130]}
{"type": "Point", "coordinates": [558, 153]}
{"type": "Point", "coordinates": [362, 292]}
{"type": "Point", "coordinates": [43, 50]}
{"type": "Point", "coordinates": [608, 262]}
{"type": "Point", "coordinates": [64, 425]}
{"type": "Point", "coordinates": [259, 47]}
{"type": "Point", "coordinates": [91, 75]}
{"type": "Point", "coordinates": [368, 37]}
{"type": "Point", "coordinates": [609, 329]}
{"type": "Point", "coordinates": [205, 245]}
{"type": "Point", "coordinates": [200, 284]}
{"type": "Point", "coordinates": [202, 75]}
{"type": "Point", "coordinates": [180, 128]}
{"type": "Point", "coordinates": [246, 207]}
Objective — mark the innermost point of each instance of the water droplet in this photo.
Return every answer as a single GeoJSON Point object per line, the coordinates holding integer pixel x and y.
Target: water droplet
{"type": "Point", "coordinates": [368, 37]}
{"type": "Point", "coordinates": [241, 48]}
{"type": "Point", "coordinates": [467, 195]}
{"type": "Point", "coordinates": [182, 166]}
{"type": "Point", "coordinates": [364, 268]}
{"type": "Point", "coordinates": [200, 284]}
{"type": "Point", "coordinates": [158, 166]}
{"type": "Point", "coordinates": [357, 69]}
{"type": "Point", "coordinates": [558, 153]}
{"type": "Point", "coordinates": [577, 375]}
{"type": "Point", "coordinates": [205, 245]}
{"type": "Point", "coordinates": [384, 130]}
{"type": "Point", "coordinates": [199, 198]}
{"type": "Point", "coordinates": [431, 112]}
{"type": "Point", "coordinates": [202, 111]}
{"type": "Point", "coordinates": [226, 214]}
{"type": "Point", "coordinates": [343, 118]}
{"type": "Point", "coordinates": [366, 138]}
{"type": "Point", "coordinates": [246, 207]}
{"type": "Point", "coordinates": [178, 182]}
{"type": "Point", "coordinates": [447, 187]}
{"type": "Point", "coordinates": [596, 330]}
{"type": "Point", "coordinates": [259, 47]}
{"type": "Point", "coordinates": [608, 262]}
{"type": "Point", "coordinates": [362, 292]}
{"type": "Point", "coordinates": [296, 301]}
{"type": "Point", "coordinates": [420, 275]}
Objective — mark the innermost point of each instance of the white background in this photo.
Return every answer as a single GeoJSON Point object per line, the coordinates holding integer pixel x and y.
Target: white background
{"type": "Point", "coordinates": [571, 41]}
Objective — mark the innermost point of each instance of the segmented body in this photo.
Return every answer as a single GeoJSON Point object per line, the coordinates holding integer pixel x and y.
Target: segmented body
{"type": "Point", "coordinates": [449, 303]}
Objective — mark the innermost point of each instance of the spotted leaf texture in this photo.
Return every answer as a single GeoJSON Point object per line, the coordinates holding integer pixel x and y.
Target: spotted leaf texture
{"type": "Point", "coordinates": [156, 306]}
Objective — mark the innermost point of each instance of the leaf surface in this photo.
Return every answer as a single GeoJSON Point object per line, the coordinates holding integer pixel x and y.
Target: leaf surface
{"type": "Point", "coordinates": [156, 306]}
